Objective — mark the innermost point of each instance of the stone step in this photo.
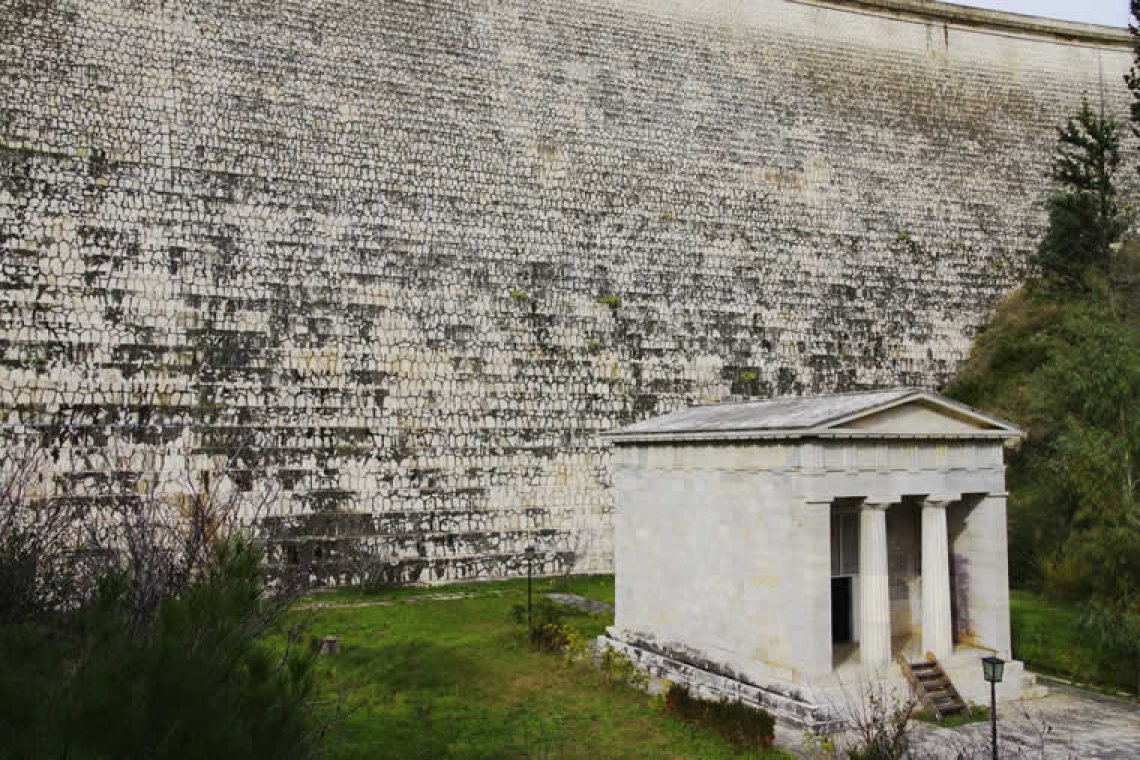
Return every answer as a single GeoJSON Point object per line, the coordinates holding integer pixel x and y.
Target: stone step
{"type": "Point", "coordinates": [933, 687]}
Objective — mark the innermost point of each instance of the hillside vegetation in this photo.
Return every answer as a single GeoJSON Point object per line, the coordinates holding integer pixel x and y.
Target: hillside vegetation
{"type": "Point", "coordinates": [1065, 366]}
{"type": "Point", "coordinates": [1061, 357]}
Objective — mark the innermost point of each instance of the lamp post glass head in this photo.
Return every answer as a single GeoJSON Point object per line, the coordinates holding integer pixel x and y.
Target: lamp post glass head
{"type": "Point", "coordinates": [992, 667]}
{"type": "Point", "coordinates": [530, 551]}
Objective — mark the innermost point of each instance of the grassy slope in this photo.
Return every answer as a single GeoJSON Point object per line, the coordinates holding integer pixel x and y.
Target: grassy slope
{"type": "Point", "coordinates": [456, 679]}
{"type": "Point", "coordinates": [1046, 639]}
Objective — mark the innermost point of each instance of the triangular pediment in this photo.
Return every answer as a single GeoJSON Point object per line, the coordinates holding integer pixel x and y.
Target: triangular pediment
{"type": "Point", "coordinates": [923, 415]}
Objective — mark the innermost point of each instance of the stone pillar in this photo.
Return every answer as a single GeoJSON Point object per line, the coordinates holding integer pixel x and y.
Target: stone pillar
{"type": "Point", "coordinates": [979, 528]}
{"type": "Point", "coordinates": [937, 626]}
{"type": "Point", "coordinates": [874, 595]}
{"type": "Point", "coordinates": [811, 590]}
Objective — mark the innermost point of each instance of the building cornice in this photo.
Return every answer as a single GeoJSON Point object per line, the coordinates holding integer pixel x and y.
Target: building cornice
{"type": "Point", "coordinates": [986, 20]}
{"type": "Point", "coordinates": [799, 437]}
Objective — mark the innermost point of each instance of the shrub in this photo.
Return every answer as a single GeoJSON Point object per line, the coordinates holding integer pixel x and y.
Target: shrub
{"type": "Point", "coordinates": [879, 724]}
{"type": "Point", "coordinates": [618, 668]}
{"type": "Point", "coordinates": [578, 647]}
{"type": "Point", "coordinates": [200, 682]}
{"type": "Point", "coordinates": [546, 633]}
{"type": "Point", "coordinates": [747, 727]}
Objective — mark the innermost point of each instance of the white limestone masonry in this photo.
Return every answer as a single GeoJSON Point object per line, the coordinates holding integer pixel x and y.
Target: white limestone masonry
{"type": "Point", "coordinates": [400, 261]}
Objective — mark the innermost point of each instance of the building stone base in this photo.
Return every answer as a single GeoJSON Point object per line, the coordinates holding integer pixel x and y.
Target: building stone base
{"type": "Point", "coordinates": [703, 681]}
{"type": "Point", "coordinates": [822, 706]}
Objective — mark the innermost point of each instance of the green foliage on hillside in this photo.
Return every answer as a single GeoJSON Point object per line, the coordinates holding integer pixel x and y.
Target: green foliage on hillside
{"type": "Point", "coordinates": [1065, 365]}
{"type": "Point", "coordinates": [1062, 358]}
{"type": "Point", "coordinates": [1047, 637]}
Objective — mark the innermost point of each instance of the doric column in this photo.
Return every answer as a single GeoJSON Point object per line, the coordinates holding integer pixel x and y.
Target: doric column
{"type": "Point", "coordinates": [874, 596]}
{"type": "Point", "coordinates": [937, 635]}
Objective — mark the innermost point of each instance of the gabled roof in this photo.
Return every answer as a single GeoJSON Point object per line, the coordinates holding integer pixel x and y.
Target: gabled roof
{"type": "Point", "coordinates": [894, 413]}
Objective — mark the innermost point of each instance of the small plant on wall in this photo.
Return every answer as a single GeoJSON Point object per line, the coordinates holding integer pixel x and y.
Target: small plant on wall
{"type": "Point", "coordinates": [746, 383]}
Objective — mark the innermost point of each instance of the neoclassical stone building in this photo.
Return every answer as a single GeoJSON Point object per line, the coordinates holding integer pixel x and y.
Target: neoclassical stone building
{"type": "Point", "coordinates": [780, 550]}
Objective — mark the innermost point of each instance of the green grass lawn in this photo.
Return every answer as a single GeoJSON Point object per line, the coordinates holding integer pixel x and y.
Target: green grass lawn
{"type": "Point", "coordinates": [1046, 639]}
{"type": "Point", "coordinates": [456, 678]}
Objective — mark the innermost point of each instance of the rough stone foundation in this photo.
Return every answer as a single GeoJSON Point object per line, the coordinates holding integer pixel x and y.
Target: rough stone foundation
{"type": "Point", "coordinates": [710, 681]}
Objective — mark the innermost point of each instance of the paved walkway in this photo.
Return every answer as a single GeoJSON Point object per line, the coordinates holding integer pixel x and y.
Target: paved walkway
{"type": "Point", "coordinates": [1069, 724]}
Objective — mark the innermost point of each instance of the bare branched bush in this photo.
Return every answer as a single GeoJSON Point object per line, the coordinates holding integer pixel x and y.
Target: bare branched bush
{"type": "Point", "coordinates": [63, 527]}
{"type": "Point", "coordinates": [878, 723]}
{"type": "Point", "coordinates": [133, 594]}
{"type": "Point", "coordinates": [1022, 733]}
{"type": "Point", "coordinates": [166, 531]}
{"type": "Point", "coordinates": [43, 565]}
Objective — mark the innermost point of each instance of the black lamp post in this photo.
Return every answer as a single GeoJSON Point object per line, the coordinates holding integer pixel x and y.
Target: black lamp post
{"type": "Point", "coordinates": [529, 572]}
{"type": "Point", "coordinates": [992, 667]}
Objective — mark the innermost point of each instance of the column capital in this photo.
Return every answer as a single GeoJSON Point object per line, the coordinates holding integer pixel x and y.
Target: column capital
{"type": "Point", "coordinates": [878, 502]}
{"type": "Point", "coordinates": [940, 500]}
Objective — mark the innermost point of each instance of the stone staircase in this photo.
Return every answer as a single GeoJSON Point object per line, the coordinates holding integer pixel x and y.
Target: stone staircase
{"type": "Point", "coordinates": [933, 688]}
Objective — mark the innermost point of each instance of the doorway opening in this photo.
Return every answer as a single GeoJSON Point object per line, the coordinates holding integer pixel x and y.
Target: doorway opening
{"type": "Point", "coordinates": [841, 610]}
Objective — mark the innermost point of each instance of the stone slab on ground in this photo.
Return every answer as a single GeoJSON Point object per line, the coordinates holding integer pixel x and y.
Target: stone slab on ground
{"type": "Point", "coordinates": [389, 602]}
{"type": "Point", "coordinates": [592, 606]}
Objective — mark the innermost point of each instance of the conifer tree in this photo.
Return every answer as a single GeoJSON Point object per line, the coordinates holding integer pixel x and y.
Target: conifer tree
{"type": "Point", "coordinates": [1085, 217]}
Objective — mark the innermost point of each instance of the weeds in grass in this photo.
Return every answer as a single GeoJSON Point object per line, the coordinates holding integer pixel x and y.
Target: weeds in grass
{"type": "Point", "coordinates": [546, 633]}
{"type": "Point", "coordinates": [618, 668]}
{"type": "Point", "coordinates": [578, 647]}
{"type": "Point", "coordinates": [976, 714]}
{"type": "Point", "coordinates": [820, 747]}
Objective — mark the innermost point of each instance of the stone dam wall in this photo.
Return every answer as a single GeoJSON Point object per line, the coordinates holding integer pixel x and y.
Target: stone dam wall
{"type": "Point", "coordinates": [397, 262]}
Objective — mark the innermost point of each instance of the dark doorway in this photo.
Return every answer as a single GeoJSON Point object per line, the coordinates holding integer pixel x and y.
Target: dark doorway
{"type": "Point", "coordinates": [840, 610]}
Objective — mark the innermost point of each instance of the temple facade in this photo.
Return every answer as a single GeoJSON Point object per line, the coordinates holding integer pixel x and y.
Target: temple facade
{"type": "Point", "coordinates": [788, 552]}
